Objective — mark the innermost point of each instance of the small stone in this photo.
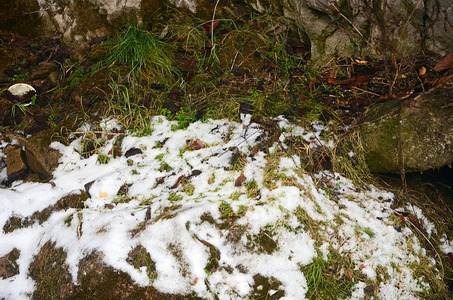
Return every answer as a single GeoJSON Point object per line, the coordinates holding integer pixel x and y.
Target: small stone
{"type": "Point", "coordinates": [15, 163]}
{"type": "Point", "coordinates": [8, 266]}
{"type": "Point", "coordinates": [42, 159]}
{"type": "Point", "coordinates": [132, 152]}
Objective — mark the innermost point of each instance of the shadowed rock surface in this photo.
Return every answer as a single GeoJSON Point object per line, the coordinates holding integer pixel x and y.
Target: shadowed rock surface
{"type": "Point", "coordinates": [378, 29]}
{"type": "Point", "coordinates": [426, 133]}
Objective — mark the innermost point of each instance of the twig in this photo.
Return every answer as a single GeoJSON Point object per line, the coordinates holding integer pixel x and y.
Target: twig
{"type": "Point", "coordinates": [400, 152]}
{"type": "Point", "coordinates": [246, 138]}
{"type": "Point", "coordinates": [424, 236]}
{"type": "Point", "coordinates": [435, 87]}
{"type": "Point", "coordinates": [102, 132]}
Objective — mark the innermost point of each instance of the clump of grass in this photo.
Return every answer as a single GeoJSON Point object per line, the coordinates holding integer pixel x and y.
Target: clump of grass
{"type": "Point", "coordinates": [348, 158]}
{"type": "Point", "coordinates": [142, 53]}
{"type": "Point", "coordinates": [252, 188]}
{"type": "Point", "coordinates": [326, 279]}
{"type": "Point", "coordinates": [130, 113]}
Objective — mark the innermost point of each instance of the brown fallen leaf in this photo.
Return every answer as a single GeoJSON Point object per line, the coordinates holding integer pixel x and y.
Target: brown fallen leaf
{"type": "Point", "coordinates": [177, 182]}
{"type": "Point", "coordinates": [276, 30]}
{"type": "Point", "coordinates": [115, 151]}
{"type": "Point", "coordinates": [108, 206]}
{"type": "Point", "coordinates": [210, 26]}
{"type": "Point", "coordinates": [354, 81]}
{"type": "Point", "coordinates": [196, 145]}
{"type": "Point", "coordinates": [445, 63]}
{"type": "Point", "coordinates": [413, 219]}
{"type": "Point", "coordinates": [422, 71]}
{"type": "Point", "coordinates": [189, 65]}
{"type": "Point", "coordinates": [254, 151]}
{"type": "Point", "coordinates": [450, 258]}
{"type": "Point", "coordinates": [350, 275]}
{"type": "Point", "coordinates": [240, 180]}
{"type": "Point", "coordinates": [164, 32]}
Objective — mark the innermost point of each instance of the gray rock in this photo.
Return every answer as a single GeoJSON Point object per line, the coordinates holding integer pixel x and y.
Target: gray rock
{"type": "Point", "coordinates": [426, 133]}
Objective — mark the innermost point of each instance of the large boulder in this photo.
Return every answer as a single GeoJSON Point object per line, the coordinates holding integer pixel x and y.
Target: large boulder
{"type": "Point", "coordinates": [426, 133]}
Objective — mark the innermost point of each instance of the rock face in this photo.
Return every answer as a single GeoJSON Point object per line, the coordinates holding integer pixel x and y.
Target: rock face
{"type": "Point", "coordinates": [374, 28]}
{"type": "Point", "coordinates": [426, 133]}
{"type": "Point", "coordinates": [378, 29]}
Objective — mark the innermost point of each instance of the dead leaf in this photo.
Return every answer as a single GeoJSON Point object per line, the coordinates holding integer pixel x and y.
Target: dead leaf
{"type": "Point", "coordinates": [177, 182]}
{"type": "Point", "coordinates": [362, 266]}
{"type": "Point", "coordinates": [350, 275]}
{"type": "Point", "coordinates": [254, 151]}
{"type": "Point", "coordinates": [189, 65]}
{"type": "Point", "coordinates": [354, 81]}
{"type": "Point", "coordinates": [422, 71]}
{"type": "Point", "coordinates": [115, 151]}
{"type": "Point", "coordinates": [174, 93]}
{"type": "Point", "coordinates": [196, 145]}
{"type": "Point", "coordinates": [276, 30]}
{"type": "Point", "coordinates": [413, 219]}
{"type": "Point", "coordinates": [240, 180]}
{"type": "Point", "coordinates": [257, 26]}
{"type": "Point", "coordinates": [361, 62]}
{"type": "Point", "coordinates": [210, 26]}
{"type": "Point", "coordinates": [108, 206]}
{"type": "Point", "coordinates": [164, 32]}
{"type": "Point", "coordinates": [59, 95]}
{"type": "Point", "coordinates": [450, 258]}
{"type": "Point", "coordinates": [445, 63]}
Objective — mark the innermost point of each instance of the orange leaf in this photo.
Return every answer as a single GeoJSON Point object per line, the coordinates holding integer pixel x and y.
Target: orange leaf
{"type": "Point", "coordinates": [240, 180]}
{"type": "Point", "coordinates": [177, 182]}
{"type": "Point", "coordinates": [422, 71]}
{"type": "Point", "coordinates": [254, 151]}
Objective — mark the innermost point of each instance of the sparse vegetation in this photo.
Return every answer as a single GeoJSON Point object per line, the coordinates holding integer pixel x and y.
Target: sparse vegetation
{"type": "Point", "coordinates": [184, 77]}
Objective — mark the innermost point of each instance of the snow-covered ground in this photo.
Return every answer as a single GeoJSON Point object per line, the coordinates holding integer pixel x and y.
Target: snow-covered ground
{"type": "Point", "coordinates": [185, 195]}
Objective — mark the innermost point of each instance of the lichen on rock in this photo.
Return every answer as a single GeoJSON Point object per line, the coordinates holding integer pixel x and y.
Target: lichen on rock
{"type": "Point", "coordinates": [426, 133]}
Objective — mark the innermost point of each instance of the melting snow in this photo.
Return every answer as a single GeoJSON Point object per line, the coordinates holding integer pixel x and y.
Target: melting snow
{"type": "Point", "coordinates": [177, 243]}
